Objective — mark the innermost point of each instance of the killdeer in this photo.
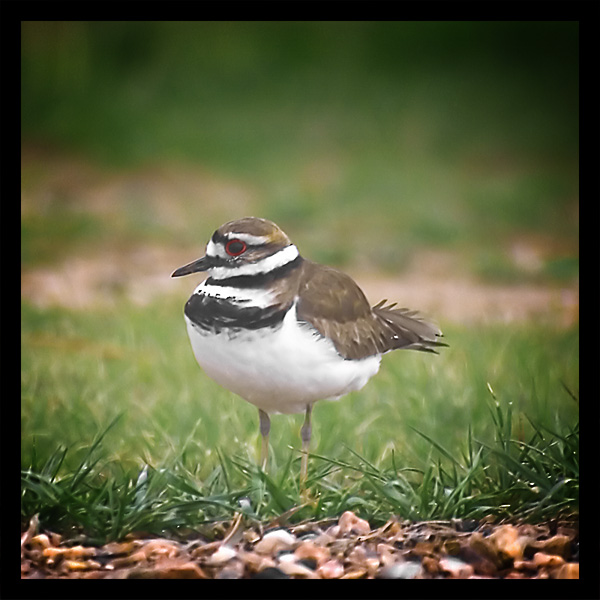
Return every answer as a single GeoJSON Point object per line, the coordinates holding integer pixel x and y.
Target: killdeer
{"type": "Point", "coordinates": [283, 332]}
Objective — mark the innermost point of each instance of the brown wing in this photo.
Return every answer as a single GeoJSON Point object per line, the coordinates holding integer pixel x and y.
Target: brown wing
{"type": "Point", "coordinates": [337, 308]}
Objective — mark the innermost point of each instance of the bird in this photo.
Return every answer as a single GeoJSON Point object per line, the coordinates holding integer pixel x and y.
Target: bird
{"type": "Point", "coordinates": [283, 332]}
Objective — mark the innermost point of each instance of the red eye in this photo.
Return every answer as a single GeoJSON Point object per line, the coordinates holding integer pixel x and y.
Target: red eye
{"type": "Point", "coordinates": [235, 247]}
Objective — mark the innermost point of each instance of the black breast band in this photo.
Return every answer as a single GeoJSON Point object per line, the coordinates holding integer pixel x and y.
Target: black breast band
{"type": "Point", "coordinates": [216, 314]}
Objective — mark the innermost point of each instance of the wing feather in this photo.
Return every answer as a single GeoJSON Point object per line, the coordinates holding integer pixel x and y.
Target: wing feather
{"type": "Point", "coordinates": [333, 304]}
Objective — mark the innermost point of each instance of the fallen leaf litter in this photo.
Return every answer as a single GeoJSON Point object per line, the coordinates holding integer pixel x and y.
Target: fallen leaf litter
{"type": "Point", "coordinates": [346, 549]}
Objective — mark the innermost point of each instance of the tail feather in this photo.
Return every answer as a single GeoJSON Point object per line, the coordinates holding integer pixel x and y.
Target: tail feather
{"type": "Point", "coordinates": [408, 329]}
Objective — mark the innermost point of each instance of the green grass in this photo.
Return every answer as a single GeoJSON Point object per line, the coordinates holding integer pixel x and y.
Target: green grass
{"type": "Point", "coordinates": [366, 142]}
{"type": "Point", "coordinates": [487, 427]}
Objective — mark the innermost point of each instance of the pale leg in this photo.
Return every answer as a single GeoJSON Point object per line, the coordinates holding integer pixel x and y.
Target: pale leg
{"type": "Point", "coordinates": [305, 434]}
{"type": "Point", "coordinates": [265, 426]}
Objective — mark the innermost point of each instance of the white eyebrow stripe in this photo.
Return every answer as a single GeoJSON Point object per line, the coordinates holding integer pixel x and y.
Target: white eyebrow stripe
{"type": "Point", "coordinates": [255, 240]}
{"type": "Point", "coordinates": [267, 264]}
{"type": "Point", "coordinates": [261, 298]}
{"type": "Point", "coordinates": [213, 249]}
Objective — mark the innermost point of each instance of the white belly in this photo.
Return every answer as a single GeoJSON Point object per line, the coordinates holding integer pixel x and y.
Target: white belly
{"type": "Point", "coordinates": [280, 370]}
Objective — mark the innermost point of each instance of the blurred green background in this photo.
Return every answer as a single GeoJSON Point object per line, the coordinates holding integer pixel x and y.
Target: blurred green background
{"type": "Point", "coordinates": [365, 141]}
{"type": "Point", "coordinates": [369, 143]}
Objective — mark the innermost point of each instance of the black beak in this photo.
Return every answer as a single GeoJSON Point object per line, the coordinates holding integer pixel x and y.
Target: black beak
{"type": "Point", "coordinates": [202, 264]}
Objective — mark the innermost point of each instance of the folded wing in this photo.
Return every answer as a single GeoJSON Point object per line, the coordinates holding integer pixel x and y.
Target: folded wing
{"type": "Point", "coordinates": [333, 304]}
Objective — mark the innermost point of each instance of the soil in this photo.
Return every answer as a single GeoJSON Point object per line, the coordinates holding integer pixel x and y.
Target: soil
{"type": "Point", "coordinates": [142, 275]}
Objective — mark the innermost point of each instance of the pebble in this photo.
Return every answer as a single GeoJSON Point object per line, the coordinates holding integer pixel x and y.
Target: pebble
{"type": "Point", "coordinates": [221, 556]}
{"type": "Point", "coordinates": [456, 567]}
{"type": "Point", "coordinates": [431, 565]}
{"type": "Point", "coordinates": [363, 559]}
{"type": "Point", "coordinates": [515, 575]}
{"type": "Point", "coordinates": [250, 536]}
{"type": "Point", "coordinates": [159, 548]}
{"type": "Point", "coordinates": [372, 564]}
{"type": "Point", "coordinates": [130, 559]}
{"type": "Point", "coordinates": [540, 559]}
{"type": "Point", "coordinates": [332, 532]}
{"type": "Point", "coordinates": [289, 564]}
{"type": "Point", "coordinates": [40, 541]}
{"type": "Point", "coordinates": [355, 574]}
{"type": "Point", "coordinates": [256, 562]}
{"type": "Point", "coordinates": [358, 555]}
{"type": "Point", "coordinates": [113, 548]}
{"type": "Point", "coordinates": [507, 541]}
{"type": "Point", "coordinates": [309, 536]}
{"type": "Point", "coordinates": [168, 570]}
{"type": "Point", "coordinates": [309, 550]}
{"type": "Point", "coordinates": [480, 563]}
{"type": "Point", "coordinates": [332, 569]}
{"type": "Point", "coordinates": [402, 570]}
{"type": "Point", "coordinates": [273, 541]}
{"type": "Point", "coordinates": [559, 545]}
{"type": "Point", "coordinates": [73, 553]}
{"type": "Point", "coordinates": [350, 523]}
{"type": "Point", "coordinates": [387, 554]}
{"type": "Point", "coordinates": [245, 503]}
{"type": "Point", "coordinates": [78, 565]}
{"type": "Point", "coordinates": [567, 571]}
{"type": "Point", "coordinates": [234, 570]}
{"type": "Point", "coordinates": [325, 539]}
{"type": "Point", "coordinates": [311, 563]}
{"type": "Point", "coordinates": [270, 573]}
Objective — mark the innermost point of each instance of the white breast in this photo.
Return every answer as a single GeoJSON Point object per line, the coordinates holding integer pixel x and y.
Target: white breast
{"type": "Point", "coordinates": [279, 370]}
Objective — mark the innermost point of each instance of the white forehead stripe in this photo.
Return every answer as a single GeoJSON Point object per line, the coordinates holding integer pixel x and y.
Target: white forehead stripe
{"type": "Point", "coordinates": [256, 297]}
{"type": "Point", "coordinates": [267, 264]}
{"type": "Point", "coordinates": [213, 249]}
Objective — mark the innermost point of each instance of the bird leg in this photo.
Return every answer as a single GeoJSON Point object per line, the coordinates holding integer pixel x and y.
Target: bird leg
{"type": "Point", "coordinates": [265, 426]}
{"type": "Point", "coordinates": [305, 434]}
